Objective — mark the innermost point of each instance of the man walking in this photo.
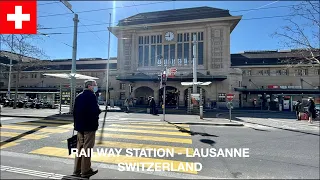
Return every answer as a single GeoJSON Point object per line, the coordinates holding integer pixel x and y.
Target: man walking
{"type": "Point", "coordinates": [298, 108]}
{"type": "Point", "coordinates": [153, 106]}
{"type": "Point", "coordinates": [311, 110]}
{"type": "Point", "coordinates": [86, 121]}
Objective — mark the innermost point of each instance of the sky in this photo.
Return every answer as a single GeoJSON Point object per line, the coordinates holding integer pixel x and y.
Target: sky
{"type": "Point", "coordinates": [252, 33]}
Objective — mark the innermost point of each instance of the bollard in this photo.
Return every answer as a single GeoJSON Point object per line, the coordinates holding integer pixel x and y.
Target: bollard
{"type": "Point", "coordinates": [201, 112]}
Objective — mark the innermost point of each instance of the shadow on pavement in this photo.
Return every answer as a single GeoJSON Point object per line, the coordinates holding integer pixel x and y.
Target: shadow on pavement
{"type": "Point", "coordinates": [208, 141]}
{"type": "Point", "coordinates": [45, 123]}
{"type": "Point", "coordinates": [21, 135]}
{"type": "Point", "coordinates": [192, 133]}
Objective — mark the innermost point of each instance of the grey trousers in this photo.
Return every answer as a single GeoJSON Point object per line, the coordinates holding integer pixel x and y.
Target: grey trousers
{"type": "Point", "coordinates": [86, 141]}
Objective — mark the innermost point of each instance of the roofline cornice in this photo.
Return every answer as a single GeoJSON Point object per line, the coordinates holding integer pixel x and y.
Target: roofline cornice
{"type": "Point", "coordinates": [235, 19]}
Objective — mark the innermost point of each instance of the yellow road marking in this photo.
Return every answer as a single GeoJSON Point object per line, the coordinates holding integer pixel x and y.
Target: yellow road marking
{"type": "Point", "coordinates": [38, 124]}
{"type": "Point", "coordinates": [124, 145]}
{"type": "Point", "coordinates": [148, 131]}
{"type": "Point", "coordinates": [67, 126]}
{"type": "Point", "coordinates": [56, 121]}
{"type": "Point", "coordinates": [146, 127]}
{"type": "Point", "coordinates": [63, 152]}
{"type": "Point", "coordinates": [113, 144]}
{"type": "Point", "coordinates": [147, 138]}
{"type": "Point", "coordinates": [31, 128]}
{"type": "Point", "coordinates": [10, 144]}
{"type": "Point", "coordinates": [29, 136]}
{"type": "Point", "coordinates": [159, 124]}
{"type": "Point", "coordinates": [51, 121]}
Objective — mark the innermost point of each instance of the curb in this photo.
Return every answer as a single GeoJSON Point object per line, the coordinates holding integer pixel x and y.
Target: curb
{"type": "Point", "coordinates": [208, 123]}
{"type": "Point", "coordinates": [22, 116]}
{"type": "Point", "coordinates": [287, 129]}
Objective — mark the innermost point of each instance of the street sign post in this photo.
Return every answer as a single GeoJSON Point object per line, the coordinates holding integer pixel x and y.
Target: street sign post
{"type": "Point", "coordinates": [230, 97]}
{"type": "Point", "coordinates": [171, 72]}
{"type": "Point", "coordinates": [230, 106]}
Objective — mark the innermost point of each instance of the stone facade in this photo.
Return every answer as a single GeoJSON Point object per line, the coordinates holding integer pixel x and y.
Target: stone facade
{"type": "Point", "coordinates": [216, 55]}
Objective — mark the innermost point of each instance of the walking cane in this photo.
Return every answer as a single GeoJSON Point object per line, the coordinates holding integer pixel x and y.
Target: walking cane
{"type": "Point", "coordinates": [104, 121]}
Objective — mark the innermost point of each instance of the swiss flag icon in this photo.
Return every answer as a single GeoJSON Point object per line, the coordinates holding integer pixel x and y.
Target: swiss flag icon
{"type": "Point", "coordinates": [18, 17]}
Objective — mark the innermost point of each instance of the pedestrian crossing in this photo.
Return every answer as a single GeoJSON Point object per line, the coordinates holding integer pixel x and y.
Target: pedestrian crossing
{"type": "Point", "coordinates": [145, 135]}
{"type": "Point", "coordinates": [15, 133]}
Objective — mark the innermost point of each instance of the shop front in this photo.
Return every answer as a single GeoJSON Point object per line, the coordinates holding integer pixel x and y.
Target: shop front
{"type": "Point", "coordinates": [278, 98]}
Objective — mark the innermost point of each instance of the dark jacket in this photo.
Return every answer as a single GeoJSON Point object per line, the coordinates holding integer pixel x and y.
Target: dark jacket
{"type": "Point", "coordinates": [86, 112]}
{"type": "Point", "coordinates": [311, 106]}
{"type": "Point", "coordinates": [298, 107]}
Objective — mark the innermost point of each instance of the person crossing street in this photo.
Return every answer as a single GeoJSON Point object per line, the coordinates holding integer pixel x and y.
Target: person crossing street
{"type": "Point", "coordinates": [86, 121]}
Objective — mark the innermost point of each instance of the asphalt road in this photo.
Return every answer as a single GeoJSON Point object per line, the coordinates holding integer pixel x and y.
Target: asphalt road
{"type": "Point", "coordinates": [40, 152]}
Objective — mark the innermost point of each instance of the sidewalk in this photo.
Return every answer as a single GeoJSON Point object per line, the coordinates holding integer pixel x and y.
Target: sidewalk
{"type": "Point", "coordinates": [43, 113]}
{"type": "Point", "coordinates": [285, 124]}
{"type": "Point", "coordinates": [180, 119]}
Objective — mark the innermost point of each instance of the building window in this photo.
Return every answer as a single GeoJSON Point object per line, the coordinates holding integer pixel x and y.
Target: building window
{"type": "Point", "coordinates": [150, 50]}
{"type": "Point", "coordinates": [122, 96]}
{"type": "Point", "coordinates": [246, 72]}
{"type": "Point", "coordinates": [266, 72]}
{"type": "Point", "coordinates": [186, 53]}
{"type": "Point", "coordinates": [222, 97]}
{"type": "Point", "coordinates": [180, 37]}
{"type": "Point", "coordinates": [317, 72]}
{"type": "Point", "coordinates": [140, 55]}
{"type": "Point", "coordinates": [302, 72]}
{"type": "Point", "coordinates": [140, 39]}
{"type": "Point", "coordinates": [172, 54]}
{"type": "Point", "coordinates": [122, 86]}
{"type": "Point", "coordinates": [153, 40]}
{"type": "Point", "coordinates": [146, 40]}
{"type": "Point", "coordinates": [159, 55]}
{"type": "Point", "coordinates": [179, 51]}
{"type": "Point", "coordinates": [166, 55]}
{"type": "Point", "coordinates": [186, 37]}
{"type": "Point", "coordinates": [146, 55]}
{"type": "Point", "coordinates": [284, 72]}
{"type": "Point", "coordinates": [159, 39]}
{"type": "Point", "coordinates": [200, 53]}
{"type": "Point", "coordinates": [153, 55]}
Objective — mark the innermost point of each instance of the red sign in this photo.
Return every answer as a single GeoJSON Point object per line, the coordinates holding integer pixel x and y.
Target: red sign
{"type": "Point", "coordinates": [230, 97]}
{"type": "Point", "coordinates": [273, 87]}
{"type": "Point", "coordinates": [18, 17]}
{"type": "Point", "coordinates": [172, 72]}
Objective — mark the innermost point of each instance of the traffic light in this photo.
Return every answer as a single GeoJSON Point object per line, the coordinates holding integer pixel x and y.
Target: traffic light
{"type": "Point", "coordinates": [130, 88]}
{"type": "Point", "coordinates": [163, 79]}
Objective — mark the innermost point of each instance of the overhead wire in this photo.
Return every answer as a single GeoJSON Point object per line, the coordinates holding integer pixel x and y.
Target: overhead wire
{"type": "Point", "coordinates": [267, 17]}
{"type": "Point", "coordinates": [106, 23]}
{"type": "Point", "coordinates": [102, 9]}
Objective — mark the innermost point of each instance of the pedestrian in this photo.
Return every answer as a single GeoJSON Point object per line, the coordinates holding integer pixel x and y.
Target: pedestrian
{"type": "Point", "coordinates": [150, 105]}
{"type": "Point", "coordinates": [298, 109]}
{"type": "Point", "coordinates": [311, 110]}
{"type": "Point", "coordinates": [153, 106]}
{"type": "Point", "coordinates": [126, 104]}
{"type": "Point", "coordinates": [86, 121]}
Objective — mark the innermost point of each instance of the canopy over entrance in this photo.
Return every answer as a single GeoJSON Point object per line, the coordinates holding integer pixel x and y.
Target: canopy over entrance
{"type": "Point", "coordinates": [69, 75]}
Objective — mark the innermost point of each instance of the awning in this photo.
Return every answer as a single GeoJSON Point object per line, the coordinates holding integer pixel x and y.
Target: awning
{"type": "Point", "coordinates": [176, 78]}
{"type": "Point", "coordinates": [278, 91]}
{"type": "Point", "coordinates": [69, 75]}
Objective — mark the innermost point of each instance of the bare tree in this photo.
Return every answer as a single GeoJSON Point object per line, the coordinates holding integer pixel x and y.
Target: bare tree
{"type": "Point", "coordinates": [24, 53]}
{"type": "Point", "coordinates": [302, 33]}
